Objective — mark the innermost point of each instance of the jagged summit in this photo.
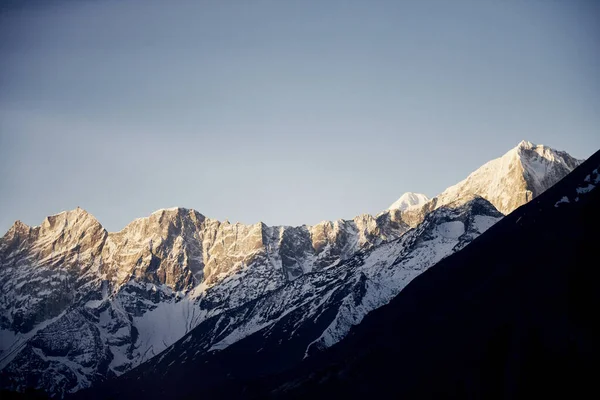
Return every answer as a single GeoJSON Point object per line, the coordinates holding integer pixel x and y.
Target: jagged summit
{"type": "Point", "coordinates": [76, 213]}
{"type": "Point", "coordinates": [525, 144]}
{"type": "Point", "coordinates": [18, 231]}
{"type": "Point", "coordinates": [18, 225]}
{"type": "Point", "coordinates": [526, 150]}
{"type": "Point", "coordinates": [522, 173]}
{"type": "Point", "coordinates": [409, 200]}
{"type": "Point", "coordinates": [67, 217]}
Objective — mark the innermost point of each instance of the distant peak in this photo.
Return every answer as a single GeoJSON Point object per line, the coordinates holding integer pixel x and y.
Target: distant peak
{"type": "Point", "coordinates": [19, 226]}
{"type": "Point", "coordinates": [409, 200]}
{"type": "Point", "coordinates": [77, 216]}
{"type": "Point", "coordinates": [76, 212]}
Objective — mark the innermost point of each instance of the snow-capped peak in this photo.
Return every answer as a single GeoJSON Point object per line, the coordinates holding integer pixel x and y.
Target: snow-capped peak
{"type": "Point", "coordinates": [409, 200]}
{"type": "Point", "coordinates": [524, 144]}
{"type": "Point", "coordinates": [510, 181]}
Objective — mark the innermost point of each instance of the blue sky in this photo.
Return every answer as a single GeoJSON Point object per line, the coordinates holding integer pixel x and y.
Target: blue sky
{"type": "Point", "coordinates": [287, 112]}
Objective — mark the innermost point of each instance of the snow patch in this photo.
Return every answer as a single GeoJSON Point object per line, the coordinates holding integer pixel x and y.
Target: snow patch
{"type": "Point", "coordinates": [94, 303]}
{"type": "Point", "coordinates": [451, 230]}
{"type": "Point", "coordinates": [564, 199]}
{"type": "Point", "coordinates": [164, 325]}
{"type": "Point", "coordinates": [586, 189]}
{"type": "Point", "coordinates": [7, 338]}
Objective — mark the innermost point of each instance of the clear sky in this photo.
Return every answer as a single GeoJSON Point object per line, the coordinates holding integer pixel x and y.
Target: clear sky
{"type": "Point", "coordinates": [288, 112]}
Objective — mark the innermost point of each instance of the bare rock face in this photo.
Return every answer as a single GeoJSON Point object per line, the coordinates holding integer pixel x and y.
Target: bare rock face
{"type": "Point", "coordinates": [126, 296]}
{"type": "Point", "coordinates": [47, 268]}
{"type": "Point", "coordinates": [164, 248]}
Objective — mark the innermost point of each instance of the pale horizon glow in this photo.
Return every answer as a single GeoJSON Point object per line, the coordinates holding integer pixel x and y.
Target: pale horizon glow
{"type": "Point", "coordinates": [288, 113]}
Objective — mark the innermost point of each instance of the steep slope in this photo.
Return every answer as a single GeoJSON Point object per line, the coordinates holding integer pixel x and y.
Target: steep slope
{"type": "Point", "coordinates": [512, 180]}
{"type": "Point", "coordinates": [126, 296]}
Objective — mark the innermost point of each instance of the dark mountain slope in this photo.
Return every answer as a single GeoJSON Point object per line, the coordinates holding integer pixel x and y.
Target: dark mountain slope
{"type": "Point", "coordinates": [513, 315]}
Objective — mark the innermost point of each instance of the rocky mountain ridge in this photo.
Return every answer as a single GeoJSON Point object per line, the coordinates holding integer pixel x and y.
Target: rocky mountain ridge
{"type": "Point", "coordinates": [126, 296]}
{"type": "Point", "coordinates": [310, 314]}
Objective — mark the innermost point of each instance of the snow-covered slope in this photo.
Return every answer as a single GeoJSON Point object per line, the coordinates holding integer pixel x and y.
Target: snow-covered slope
{"type": "Point", "coordinates": [409, 200]}
{"type": "Point", "coordinates": [124, 297]}
{"type": "Point", "coordinates": [370, 279]}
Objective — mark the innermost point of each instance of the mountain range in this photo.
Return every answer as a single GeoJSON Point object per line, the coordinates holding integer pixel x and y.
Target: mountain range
{"type": "Point", "coordinates": [80, 305]}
